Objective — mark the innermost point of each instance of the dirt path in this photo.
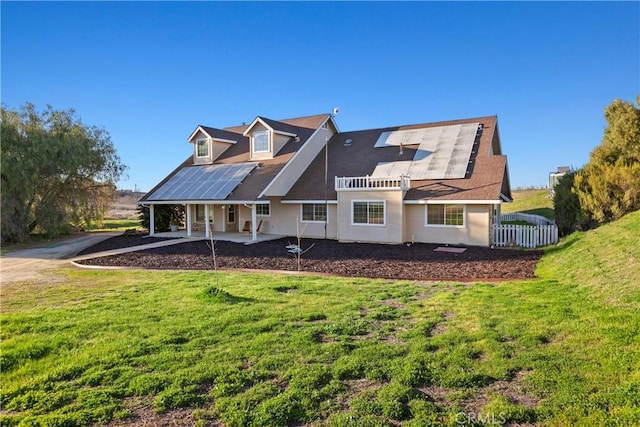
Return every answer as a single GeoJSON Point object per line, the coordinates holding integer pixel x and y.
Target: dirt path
{"type": "Point", "coordinates": [28, 264]}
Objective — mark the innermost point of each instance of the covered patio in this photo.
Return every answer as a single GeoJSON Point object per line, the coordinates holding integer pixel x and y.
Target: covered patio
{"type": "Point", "coordinates": [235, 237]}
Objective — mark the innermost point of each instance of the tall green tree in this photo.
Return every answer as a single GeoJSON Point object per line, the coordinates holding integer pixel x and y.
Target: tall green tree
{"type": "Point", "coordinates": [609, 185]}
{"type": "Point", "coordinates": [568, 213]}
{"type": "Point", "coordinates": [55, 171]}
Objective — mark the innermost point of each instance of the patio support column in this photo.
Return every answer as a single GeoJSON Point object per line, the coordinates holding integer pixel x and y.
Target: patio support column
{"type": "Point", "coordinates": [224, 219]}
{"type": "Point", "coordinates": [152, 222]}
{"type": "Point", "coordinates": [254, 223]}
{"type": "Point", "coordinates": [188, 209]}
{"type": "Point", "coordinates": [206, 221]}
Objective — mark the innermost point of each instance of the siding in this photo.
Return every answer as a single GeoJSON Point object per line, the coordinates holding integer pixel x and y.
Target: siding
{"type": "Point", "coordinates": [284, 218]}
{"type": "Point", "coordinates": [391, 232]}
{"type": "Point", "coordinates": [476, 231]}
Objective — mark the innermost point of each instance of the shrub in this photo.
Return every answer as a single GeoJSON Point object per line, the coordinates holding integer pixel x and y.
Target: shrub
{"type": "Point", "coordinates": [164, 216]}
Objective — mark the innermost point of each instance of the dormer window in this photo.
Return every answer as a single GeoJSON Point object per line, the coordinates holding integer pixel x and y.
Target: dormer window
{"type": "Point", "coordinates": [261, 142]}
{"type": "Point", "coordinates": [202, 147]}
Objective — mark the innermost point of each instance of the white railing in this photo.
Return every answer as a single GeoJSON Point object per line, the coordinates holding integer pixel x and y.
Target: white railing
{"type": "Point", "coordinates": [359, 183]}
{"type": "Point", "coordinates": [533, 219]}
{"type": "Point", "coordinates": [527, 236]}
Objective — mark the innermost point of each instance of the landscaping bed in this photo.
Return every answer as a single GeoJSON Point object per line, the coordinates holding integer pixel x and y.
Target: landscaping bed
{"type": "Point", "coordinates": [415, 262]}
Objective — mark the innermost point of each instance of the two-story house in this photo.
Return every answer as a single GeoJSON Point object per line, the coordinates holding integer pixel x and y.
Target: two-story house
{"type": "Point", "coordinates": [438, 182]}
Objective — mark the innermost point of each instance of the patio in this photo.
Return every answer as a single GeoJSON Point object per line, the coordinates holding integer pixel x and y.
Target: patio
{"type": "Point", "coordinates": [234, 237]}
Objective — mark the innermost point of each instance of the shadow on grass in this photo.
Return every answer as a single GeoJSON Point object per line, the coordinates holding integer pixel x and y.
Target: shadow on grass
{"type": "Point", "coordinates": [217, 295]}
{"type": "Point", "coordinates": [564, 244]}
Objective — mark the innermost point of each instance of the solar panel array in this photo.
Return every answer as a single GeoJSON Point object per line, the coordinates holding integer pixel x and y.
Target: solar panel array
{"type": "Point", "coordinates": [443, 152]}
{"type": "Point", "coordinates": [205, 182]}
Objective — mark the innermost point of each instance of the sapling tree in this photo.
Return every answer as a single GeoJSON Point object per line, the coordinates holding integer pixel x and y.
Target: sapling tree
{"type": "Point", "coordinates": [296, 250]}
{"type": "Point", "coordinates": [212, 245]}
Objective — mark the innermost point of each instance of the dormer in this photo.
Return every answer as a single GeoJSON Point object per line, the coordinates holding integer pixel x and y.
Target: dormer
{"type": "Point", "coordinates": [267, 137]}
{"type": "Point", "coordinates": [210, 143]}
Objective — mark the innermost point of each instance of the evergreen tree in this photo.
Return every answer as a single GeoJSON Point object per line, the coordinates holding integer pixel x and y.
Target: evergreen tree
{"type": "Point", "coordinates": [609, 185]}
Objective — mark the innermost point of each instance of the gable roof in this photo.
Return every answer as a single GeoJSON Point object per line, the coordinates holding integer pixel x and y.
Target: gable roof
{"type": "Point", "coordinates": [259, 177]}
{"type": "Point", "coordinates": [485, 177]}
{"type": "Point", "coordinates": [273, 125]}
{"type": "Point", "coordinates": [217, 134]}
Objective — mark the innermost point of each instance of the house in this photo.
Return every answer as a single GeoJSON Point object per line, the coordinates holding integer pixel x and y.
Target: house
{"type": "Point", "coordinates": [438, 182]}
{"type": "Point", "coordinates": [554, 178]}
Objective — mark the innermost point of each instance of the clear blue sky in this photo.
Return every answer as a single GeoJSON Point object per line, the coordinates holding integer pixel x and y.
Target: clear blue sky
{"type": "Point", "coordinates": [149, 73]}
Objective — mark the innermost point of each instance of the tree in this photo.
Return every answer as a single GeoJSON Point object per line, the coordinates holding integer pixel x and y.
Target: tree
{"type": "Point", "coordinates": [56, 171]}
{"type": "Point", "coordinates": [569, 215]}
{"type": "Point", "coordinates": [609, 185]}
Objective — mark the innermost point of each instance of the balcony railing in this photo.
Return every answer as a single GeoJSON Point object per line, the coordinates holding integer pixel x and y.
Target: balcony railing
{"type": "Point", "coordinates": [360, 183]}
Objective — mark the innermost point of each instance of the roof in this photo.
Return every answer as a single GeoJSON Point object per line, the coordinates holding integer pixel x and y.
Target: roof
{"type": "Point", "coordinates": [221, 134]}
{"type": "Point", "coordinates": [486, 177]}
{"type": "Point", "coordinates": [257, 180]}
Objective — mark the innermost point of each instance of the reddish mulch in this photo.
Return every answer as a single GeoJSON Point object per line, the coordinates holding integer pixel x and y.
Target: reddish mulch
{"type": "Point", "coordinates": [414, 262]}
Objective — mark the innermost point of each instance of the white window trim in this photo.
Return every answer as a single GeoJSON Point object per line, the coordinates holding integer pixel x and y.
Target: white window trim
{"type": "Point", "coordinates": [202, 141]}
{"type": "Point", "coordinates": [263, 204]}
{"type": "Point", "coordinates": [314, 221]}
{"type": "Point", "coordinates": [426, 216]}
{"type": "Point", "coordinates": [253, 137]}
{"type": "Point", "coordinates": [367, 224]}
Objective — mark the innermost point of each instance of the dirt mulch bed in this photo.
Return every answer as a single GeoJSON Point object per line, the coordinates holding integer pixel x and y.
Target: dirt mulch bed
{"type": "Point", "coordinates": [413, 262]}
{"type": "Point", "coordinates": [127, 240]}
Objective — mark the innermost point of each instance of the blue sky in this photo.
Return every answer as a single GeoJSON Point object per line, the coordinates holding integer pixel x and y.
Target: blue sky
{"type": "Point", "coordinates": [150, 72]}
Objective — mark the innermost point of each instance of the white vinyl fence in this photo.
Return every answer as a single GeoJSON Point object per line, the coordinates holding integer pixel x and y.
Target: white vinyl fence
{"type": "Point", "coordinates": [533, 219]}
{"type": "Point", "coordinates": [527, 236]}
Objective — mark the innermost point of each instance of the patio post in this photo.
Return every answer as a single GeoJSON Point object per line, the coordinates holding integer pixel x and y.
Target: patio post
{"type": "Point", "coordinates": [254, 225]}
{"type": "Point", "coordinates": [206, 221]}
{"type": "Point", "coordinates": [152, 222]}
{"type": "Point", "coordinates": [188, 209]}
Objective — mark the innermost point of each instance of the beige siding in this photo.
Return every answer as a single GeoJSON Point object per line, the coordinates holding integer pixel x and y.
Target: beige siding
{"type": "Point", "coordinates": [475, 231]}
{"type": "Point", "coordinates": [278, 142]}
{"type": "Point", "coordinates": [261, 156]}
{"type": "Point", "coordinates": [390, 232]}
{"type": "Point", "coordinates": [285, 216]}
{"type": "Point", "coordinates": [299, 163]}
{"type": "Point", "coordinates": [216, 148]}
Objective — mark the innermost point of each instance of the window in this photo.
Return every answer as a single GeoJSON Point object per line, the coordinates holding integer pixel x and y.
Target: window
{"type": "Point", "coordinates": [448, 215]}
{"type": "Point", "coordinates": [368, 212]}
{"type": "Point", "coordinates": [202, 149]}
{"type": "Point", "coordinates": [314, 212]}
{"type": "Point", "coordinates": [231, 214]}
{"type": "Point", "coordinates": [199, 212]}
{"type": "Point", "coordinates": [260, 142]}
{"type": "Point", "coordinates": [263, 209]}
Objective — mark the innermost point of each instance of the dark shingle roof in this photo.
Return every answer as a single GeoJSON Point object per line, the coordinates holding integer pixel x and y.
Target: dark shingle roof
{"type": "Point", "coordinates": [222, 134]}
{"type": "Point", "coordinates": [251, 187]}
{"type": "Point", "coordinates": [360, 158]}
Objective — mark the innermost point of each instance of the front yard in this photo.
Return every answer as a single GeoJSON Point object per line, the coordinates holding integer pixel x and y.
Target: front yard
{"type": "Point", "coordinates": [192, 347]}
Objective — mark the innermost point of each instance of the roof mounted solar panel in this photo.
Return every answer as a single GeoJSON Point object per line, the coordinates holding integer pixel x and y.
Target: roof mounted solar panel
{"type": "Point", "coordinates": [443, 151]}
{"type": "Point", "coordinates": [205, 182]}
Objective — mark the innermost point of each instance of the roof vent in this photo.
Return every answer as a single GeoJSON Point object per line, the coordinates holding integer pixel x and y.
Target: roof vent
{"type": "Point", "coordinates": [296, 139]}
{"type": "Point", "coordinates": [347, 142]}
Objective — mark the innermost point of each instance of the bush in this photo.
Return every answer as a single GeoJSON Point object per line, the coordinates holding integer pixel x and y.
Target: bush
{"type": "Point", "coordinates": [164, 216]}
{"type": "Point", "coordinates": [569, 214]}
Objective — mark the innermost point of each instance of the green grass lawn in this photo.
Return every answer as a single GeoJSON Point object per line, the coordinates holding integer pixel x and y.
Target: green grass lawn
{"type": "Point", "coordinates": [87, 346]}
{"type": "Point", "coordinates": [536, 202]}
{"type": "Point", "coordinates": [115, 225]}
